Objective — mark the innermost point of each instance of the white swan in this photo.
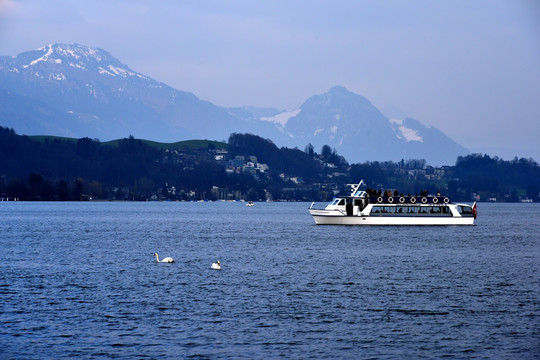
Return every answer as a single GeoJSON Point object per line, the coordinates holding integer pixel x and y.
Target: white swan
{"type": "Point", "coordinates": [166, 260]}
{"type": "Point", "coordinates": [216, 265]}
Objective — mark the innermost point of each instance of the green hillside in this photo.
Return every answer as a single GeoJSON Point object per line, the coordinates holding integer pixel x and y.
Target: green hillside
{"type": "Point", "coordinates": [186, 144]}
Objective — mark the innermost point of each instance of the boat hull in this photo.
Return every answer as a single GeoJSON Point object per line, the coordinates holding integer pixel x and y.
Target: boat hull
{"type": "Point", "coordinates": [325, 217]}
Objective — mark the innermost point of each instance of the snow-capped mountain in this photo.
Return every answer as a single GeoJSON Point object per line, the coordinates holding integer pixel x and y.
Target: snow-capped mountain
{"type": "Point", "coordinates": [93, 94]}
{"type": "Point", "coordinates": [360, 132]}
{"type": "Point", "coordinates": [78, 91]}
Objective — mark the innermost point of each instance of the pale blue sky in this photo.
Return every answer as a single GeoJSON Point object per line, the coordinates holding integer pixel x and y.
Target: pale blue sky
{"type": "Point", "coordinates": [470, 68]}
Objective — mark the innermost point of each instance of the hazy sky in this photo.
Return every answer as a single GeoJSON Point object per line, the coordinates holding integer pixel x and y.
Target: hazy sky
{"type": "Point", "coordinates": [469, 68]}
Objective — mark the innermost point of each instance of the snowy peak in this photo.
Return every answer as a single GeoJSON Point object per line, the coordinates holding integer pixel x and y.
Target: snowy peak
{"type": "Point", "coordinates": [70, 56]}
{"type": "Point", "coordinates": [337, 99]}
{"type": "Point", "coordinates": [74, 53]}
{"type": "Point", "coordinates": [92, 94]}
{"type": "Point", "coordinates": [47, 52]}
{"type": "Point", "coordinates": [359, 131]}
{"type": "Point", "coordinates": [335, 115]}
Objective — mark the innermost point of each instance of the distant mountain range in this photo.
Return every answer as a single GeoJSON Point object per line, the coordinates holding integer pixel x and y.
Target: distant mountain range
{"type": "Point", "coordinates": [78, 91]}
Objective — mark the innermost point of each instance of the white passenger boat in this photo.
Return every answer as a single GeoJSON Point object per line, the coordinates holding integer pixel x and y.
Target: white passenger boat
{"type": "Point", "coordinates": [362, 209]}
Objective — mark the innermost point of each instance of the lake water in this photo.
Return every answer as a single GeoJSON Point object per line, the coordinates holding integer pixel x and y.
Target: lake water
{"type": "Point", "coordinates": [79, 280]}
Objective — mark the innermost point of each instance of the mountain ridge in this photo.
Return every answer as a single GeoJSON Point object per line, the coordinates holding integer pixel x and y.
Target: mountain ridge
{"type": "Point", "coordinates": [75, 90]}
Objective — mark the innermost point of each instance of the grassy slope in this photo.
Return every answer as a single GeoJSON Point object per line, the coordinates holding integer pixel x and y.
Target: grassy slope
{"type": "Point", "coordinates": [187, 144]}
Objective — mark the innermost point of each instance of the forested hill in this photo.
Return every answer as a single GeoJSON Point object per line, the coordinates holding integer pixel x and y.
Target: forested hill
{"type": "Point", "coordinates": [248, 167]}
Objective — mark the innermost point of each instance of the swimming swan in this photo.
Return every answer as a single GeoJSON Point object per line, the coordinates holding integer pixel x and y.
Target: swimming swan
{"type": "Point", "coordinates": [216, 265]}
{"type": "Point", "coordinates": [166, 260]}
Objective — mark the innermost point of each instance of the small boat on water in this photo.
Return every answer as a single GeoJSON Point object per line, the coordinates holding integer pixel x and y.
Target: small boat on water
{"type": "Point", "coordinates": [361, 208]}
{"type": "Point", "coordinates": [250, 203]}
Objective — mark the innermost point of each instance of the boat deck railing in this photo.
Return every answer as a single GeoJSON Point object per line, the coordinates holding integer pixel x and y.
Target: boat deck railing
{"type": "Point", "coordinates": [417, 200]}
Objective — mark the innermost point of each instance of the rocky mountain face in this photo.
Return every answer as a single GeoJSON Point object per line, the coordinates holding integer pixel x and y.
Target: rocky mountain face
{"type": "Point", "coordinates": [359, 131]}
{"type": "Point", "coordinates": [77, 91]}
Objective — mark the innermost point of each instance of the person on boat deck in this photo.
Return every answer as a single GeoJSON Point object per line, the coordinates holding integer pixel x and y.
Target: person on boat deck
{"type": "Point", "coordinates": [396, 193]}
{"type": "Point", "coordinates": [349, 208]}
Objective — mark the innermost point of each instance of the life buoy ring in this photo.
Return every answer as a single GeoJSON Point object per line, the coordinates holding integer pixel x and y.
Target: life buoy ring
{"type": "Point", "coordinates": [413, 200]}
{"type": "Point", "coordinates": [424, 200]}
{"type": "Point", "coordinates": [390, 200]}
{"type": "Point", "coordinates": [446, 200]}
{"type": "Point", "coordinates": [435, 200]}
{"type": "Point", "coordinates": [380, 199]}
{"type": "Point", "coordinates": [402, 199]}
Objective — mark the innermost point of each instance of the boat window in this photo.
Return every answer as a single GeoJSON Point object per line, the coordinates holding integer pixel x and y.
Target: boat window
{"type": "Point", "coordinates": [465, 209]}
{"type": "Point", "coordinates": [383, 210]}
{"type": "Point", "coordinates": [414, 210]}
{"type": "Point", "coordinates": [342, 202]}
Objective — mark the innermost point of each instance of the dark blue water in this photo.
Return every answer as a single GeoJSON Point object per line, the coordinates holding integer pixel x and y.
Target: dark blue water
{"type": "Point", "coordinates": [79, 280]}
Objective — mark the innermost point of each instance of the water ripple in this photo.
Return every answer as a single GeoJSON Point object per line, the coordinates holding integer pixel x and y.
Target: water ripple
{"type": "Point", "coordinates": [79, 280]}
